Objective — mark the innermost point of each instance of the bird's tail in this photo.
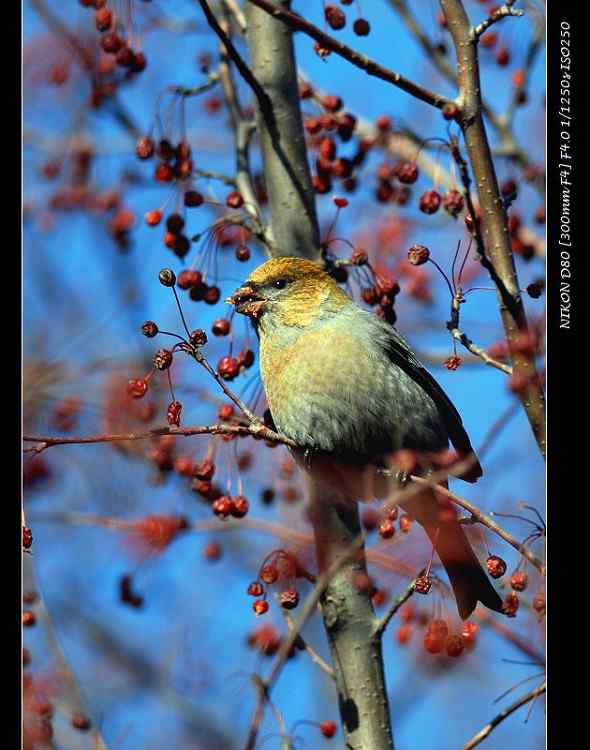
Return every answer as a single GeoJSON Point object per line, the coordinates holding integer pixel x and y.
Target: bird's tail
{"type": "Point", "coordinates": [469, 582]}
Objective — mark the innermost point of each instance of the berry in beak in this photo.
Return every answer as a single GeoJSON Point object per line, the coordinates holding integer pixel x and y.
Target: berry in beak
{"type": "Point", "coordinates": [247, 301]}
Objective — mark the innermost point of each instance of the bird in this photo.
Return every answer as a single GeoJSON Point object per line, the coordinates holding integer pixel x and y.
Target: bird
{"type": "Point", "coordinates": [346, 388]}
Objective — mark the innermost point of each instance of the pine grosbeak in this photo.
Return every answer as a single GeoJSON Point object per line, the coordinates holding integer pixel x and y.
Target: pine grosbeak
{"type": "Point", "coordinates": [346, 387]}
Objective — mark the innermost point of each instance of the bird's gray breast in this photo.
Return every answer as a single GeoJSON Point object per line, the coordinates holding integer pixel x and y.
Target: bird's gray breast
{"type": "Point", "coordinates": [346, 397]}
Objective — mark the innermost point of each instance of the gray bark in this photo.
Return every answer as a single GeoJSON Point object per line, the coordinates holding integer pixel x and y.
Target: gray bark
{"type": "Point", "coordinates": [282, 141]}
{"type": "Point", "coordinates": [348, 613]}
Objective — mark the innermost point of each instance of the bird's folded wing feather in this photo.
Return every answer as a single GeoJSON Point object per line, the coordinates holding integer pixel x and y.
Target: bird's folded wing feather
{"type": "Point", "coordinates": [401, 355]}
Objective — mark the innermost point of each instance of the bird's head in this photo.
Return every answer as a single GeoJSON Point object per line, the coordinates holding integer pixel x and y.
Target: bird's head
{"type": "Point", "coordinates": [288, 291]}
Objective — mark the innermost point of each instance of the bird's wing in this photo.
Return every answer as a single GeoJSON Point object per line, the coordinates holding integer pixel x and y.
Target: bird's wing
{"type": "Point", "coordinates": [401, 355]}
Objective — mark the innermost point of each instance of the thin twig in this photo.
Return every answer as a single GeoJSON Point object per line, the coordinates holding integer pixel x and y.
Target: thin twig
{"type": "Point", "coordinates": [483, 733]}
{"type": "Point", "coordinates": [393, 609]}
{"type": "Point", "coordinates": [487, 521]}
{"type": "Point", "coordinates": [498, 14]}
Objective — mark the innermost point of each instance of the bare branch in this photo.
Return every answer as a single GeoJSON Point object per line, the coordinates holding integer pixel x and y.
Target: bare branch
{"type": "Point", "coordinates": [372, 68]}
{"type": "Point", "coordinates": [257, 430]}
{"type": "Point", "coordinates": [497, 15]}
{"type": "Point", "coordinates": [485, 732]}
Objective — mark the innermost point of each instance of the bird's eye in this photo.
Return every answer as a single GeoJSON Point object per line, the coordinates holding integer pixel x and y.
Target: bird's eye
{"type": "Point", "coordinates": [281, 283]}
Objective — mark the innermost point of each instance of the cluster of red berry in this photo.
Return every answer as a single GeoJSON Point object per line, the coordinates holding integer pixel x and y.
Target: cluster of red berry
{"type": "Point", "coordinates": [112, 42]}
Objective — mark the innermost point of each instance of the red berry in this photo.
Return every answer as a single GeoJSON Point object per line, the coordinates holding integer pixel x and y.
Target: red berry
{"type": "Point", "coordinates": [488, 39]}
{"type": "Point", "coordinates": [305, 90]}
{"type": "Point", "coordinates": [212, 295]}
{"type": "Point", "coordinates": [29, 619]}
{"type": "Point", "coordinates": [340, 202]}
{"type": "Point", "coordinates": [540, 605]}
{"type": "Point", "coordinates": [175, 223]}
{"type": "Point", "coordinates": [519, 580]}
{"type": "Point", "coordinates": [510, 604]}
{"type": "Point", "coordinates": [423, 583]}
{"type": "Point", "coordinates": [405, 524]}
{"type": "Point", "coordinates": [369, 295]}
{"type": "Point", "coordinates": [149, 329]}
{"type": "Point", "coordinates": [438, 628]}
{"type": "Point", "coordinates": [361, 27]}
{"type": "Point", "coordinates": [173, 413]}
{"type": "Point", "coordinates": [503, 56]}
{"type": "Point", "coordinates": [269, 574]}
{"type": "Point", "coordinates": [240, 506]}
{"type": "Point", "coordinates": [111, 43]}
{"type": "Point", "coordinates": [242, 253]}
{"type": "Point", "coordinates": [184, 466]}
{"type": "Point", "coordinates": [205, 470]}
{"type": "Point", "coordinates": [418, 255]}
{"type": "Point", "coordinates": [496, 566]}
{"type": "Point", "coordinates": [193, 199]}
{"type": "Point", "coordinates": [27, 537]}
{"type": "Point", "coordinates": [328, 728]}
{"type": "Point", "coordinates": [469, 632]}
{"type": "Point", "coordinates": [220, 327]}
{"type": "Point", "coordinates": [312, 125]}
{"type": "Point", "coordinates": [198, 337]}
{"type": "Point", "coordinates": [226, 412]}
{"type": "Point", "coordinates": [212, 551]}
{"type": "Point", "coordinates": [189, 278]}
{"type": "Point", "coordinates": [335, 17]}
{"type": "Point", "coordinates": [403, 634]}
{"type": "Point", "coordinates": [433, 644]}
{"type": "Point", "coordinates": [125, 57]}
{"type": "Point", "coordinates": [518, 78]}
{"type": "Point", "coordinates": [454, 645]}
{"type": "Point", "coordinates": [234, 199]}
{"type": "Point", "coordinates": [451, 111]}
{"type": "Point", "coordinates": [103, 19]}
{"type": "Point", "coordinates": [164, 173]}
{"type": "Point", "coordinates": [430, 202]}
{"type": "Point", "coordinates": [162, 359]}
{"type": "Point", "coordinates": [289, 598]}
{"type": "Point", "coordinates": [145, 147]}
{"type": "Point", "coordinates": [453, 202]}
{"type": "Point", "coordinates": [246, 358]}
{"type": "Point", "coordinates": [137, 388]}
{"type": "Point", "coordinates": [153, 218]}
{"type": "Point", "coordinates": [260, 606]}
{"type": "Point", "coordinates": [332, 103]}
{"type": "Point", "coordinates": [81, 722]}
{"type": "Point", "coordinates": [452, 363]}
{"type": "Point", "coordinates": [386, 529]}
{"type": "Point", "coordinates": [223, 506]}
{"type": "Point", "coordinates": [383, 123]}
{"type": "Point", "coordinates": [255, 589]}
{"type": "Point", "coordinates": [138, 63]}
{"type": "Point", "coordinates": [228, 368]}
{"type": "Point", "coordinates": [407, 172]}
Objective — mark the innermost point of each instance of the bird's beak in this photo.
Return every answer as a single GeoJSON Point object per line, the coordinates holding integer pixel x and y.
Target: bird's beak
{"type": "Point", "coordinates": [247, 301]}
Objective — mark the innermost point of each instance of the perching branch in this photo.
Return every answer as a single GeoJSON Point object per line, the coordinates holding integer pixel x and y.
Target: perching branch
{"type": "Point", "coordinates": [255, 429]}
